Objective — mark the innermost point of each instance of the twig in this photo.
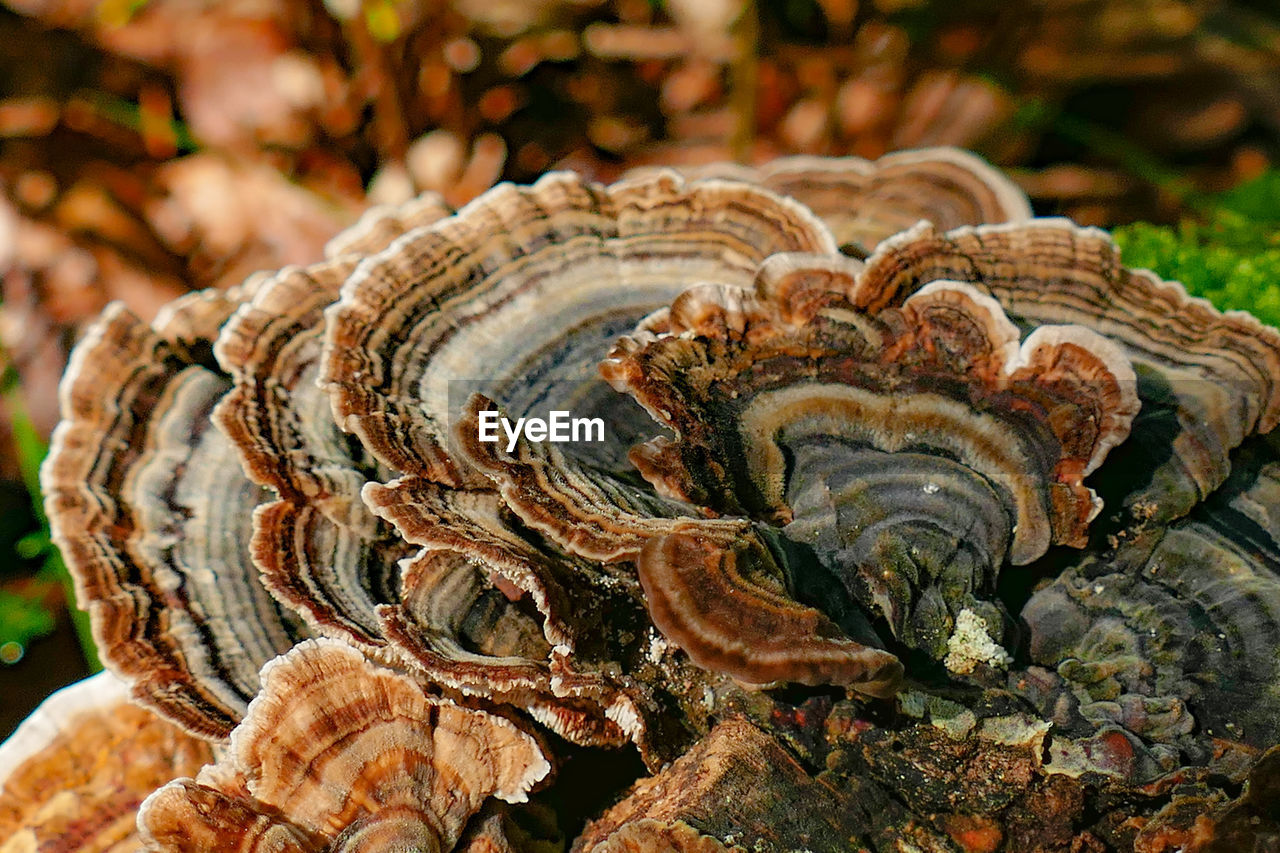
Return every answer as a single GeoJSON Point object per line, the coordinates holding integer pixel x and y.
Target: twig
{"type": "Point", "coordinates": [744, 80]}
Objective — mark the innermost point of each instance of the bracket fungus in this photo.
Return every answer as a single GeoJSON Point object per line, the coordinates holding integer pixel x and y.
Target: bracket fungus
{"type": "Point", "coordinates": [912, 451]}
{"type": "Point", "coordinates": [337, 753]}
{"type": "Point", "coordinates": [279, 421]}
{"type": "Point", "coordinates": [74, 773]}
{"type": "Point", "coordinates": [864, 201]}
{"type": "Point", "coordinates": [890, 479]}
{"type": "Point", "coordinates": [146, 500]}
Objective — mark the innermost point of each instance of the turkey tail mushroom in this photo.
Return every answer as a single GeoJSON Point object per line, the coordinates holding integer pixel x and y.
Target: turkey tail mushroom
{"type": "Point", "coordinates": [839, 462]}
{"type": "Point", "coordinates": [338, 753]}
{"type": "Point", "coordinates": [866, 201]}
{"type": "Point", "coordinates": [1211, 378]}
{"type": "Point", "coordinates": [73, 773]}
{"type": "Point", "coordinates": [520, 289]}
{"type": "Point", "coordinates": [725, 604]}
{"type": "Point", "coordinates": [147, 503]}
{"type": "Point", "coordinates": [319, 549]}
{"type": "Point", "coordinates": [914, 450]}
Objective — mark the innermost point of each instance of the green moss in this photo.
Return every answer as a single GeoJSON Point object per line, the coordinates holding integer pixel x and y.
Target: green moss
{"type": "Point", "coordinates": [25, 619]}
{"type": "Point", "coordinates": [21, 621]}
{"type": "Point", "coordinates": [1258, 199]}
{"type": "Point", "coordinates": [1231, 257]}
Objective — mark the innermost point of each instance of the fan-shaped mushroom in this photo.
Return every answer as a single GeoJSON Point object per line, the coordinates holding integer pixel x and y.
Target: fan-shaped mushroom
{"type": "Point", "coordinates": [865, 201]}
{"type": "Point", "coordinates": [147, 502]}
{"type": "Point", "coordinates": [319, 549]}
{"type": "Point", "coordinates": [515, 295]}
{"type": "Point", "coordinates": [1169, 634]}
{"type": "Point", "coordinates": [74, 773]}
{"type": "Point", "coordinates": [815, 465]}
{"type": "Point", "coordinates": [1210, 378]}
{"type": "Point", "coordinates": [337, 753]}
{"type": "Point", "coordinates": [587, 263]}
{"type": "Point", "coordinates": [910, 452]}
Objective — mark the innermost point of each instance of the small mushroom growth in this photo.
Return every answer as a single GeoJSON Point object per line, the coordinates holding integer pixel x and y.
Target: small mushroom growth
{"type": "Point", "coordinates": [908, 522]}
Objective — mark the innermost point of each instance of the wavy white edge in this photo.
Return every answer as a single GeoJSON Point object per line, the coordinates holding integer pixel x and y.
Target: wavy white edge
{"type": "Point", "coordinates": [1092, 232]}
{"type": "Point", "coordinates": [349, 239]}
{"type": "Point", "coordinates": [1269, 410]}
{"type": "Point", "coordinates": [1014, 201]}
{"type": "Point", "coordinates": [350, 305]}
{"type": "Point", "coordinates": [228, 765]}
{"type": "Point", "coordinates": [61, 443]}
{"type": "Point", "coordinates": [627, 183]}
{"type": "Point", "coordinates": [779, 265]}
{"type": "Point", "coordinates": [1002, 331]}
{"type": "Point", "coordinates": [1015, 356]}
{"type": "Point", "coordinates": [533, 588]}
{"type": "Point", "coordinates": [799, 212]}
{"type": "Point", "coordinates": [54, 716]}
{"type": "Point", "coordinates": [1117, 364]}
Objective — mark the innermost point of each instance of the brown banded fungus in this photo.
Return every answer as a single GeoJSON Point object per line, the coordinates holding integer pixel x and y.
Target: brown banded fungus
{"type": "Point", "coordinates": [319, 549]}
{"type": "Point", "coordinates": [520, 293]}
{"type": "Point", "coordinates": [337, 753]}
{"type": "Point", "coordinates": [1170, 634]}
{"type": "Point", "coordinates": [73, 774]}
{"type": "Point", "coordinates": [954, 536]}
{"type": "Point", "coordinates": [865, 201]}
{"type": "Point", "coordinates": [908, 454]}
{"type": "Point", "coordinates": [147, 502]}
{"type": "Point", "coordinates": [913, 450]}
{"type": "Point", "coordinates": [1207, 380]}
{"type": "Point", "coordinates": [518, 296]}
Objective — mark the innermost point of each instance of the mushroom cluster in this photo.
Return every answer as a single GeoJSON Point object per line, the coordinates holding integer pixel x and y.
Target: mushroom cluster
{"type": "Point", "coordinates": [899, 520]}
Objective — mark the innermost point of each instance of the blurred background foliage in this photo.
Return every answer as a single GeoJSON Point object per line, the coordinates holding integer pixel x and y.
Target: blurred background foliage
{"type": "Point", "coordinates": [152, 147]}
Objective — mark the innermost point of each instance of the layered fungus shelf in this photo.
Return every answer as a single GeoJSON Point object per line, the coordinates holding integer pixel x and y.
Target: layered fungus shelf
{"type": "Point", "coordinates": [917, 523]}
